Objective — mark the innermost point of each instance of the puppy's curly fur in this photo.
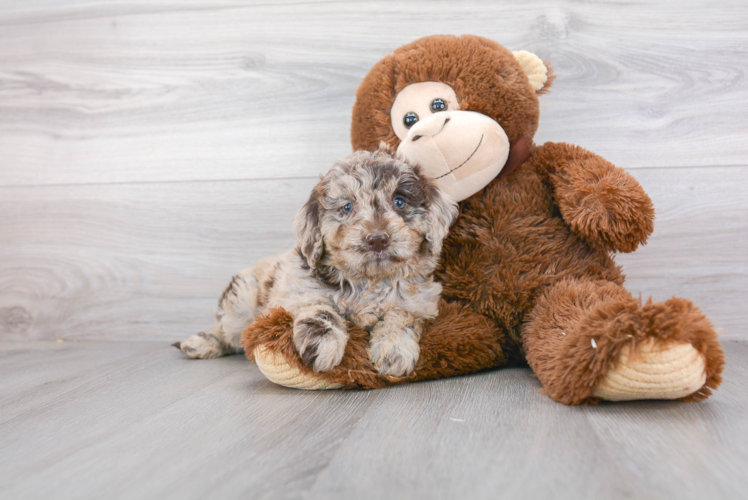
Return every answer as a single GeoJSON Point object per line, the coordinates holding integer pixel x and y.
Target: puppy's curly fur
{"type": "Point", "coordinates": [369, 240]}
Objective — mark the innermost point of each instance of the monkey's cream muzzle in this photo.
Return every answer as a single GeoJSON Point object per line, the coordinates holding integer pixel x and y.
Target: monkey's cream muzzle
{"type": "Point", "coordinates": [464, 159]}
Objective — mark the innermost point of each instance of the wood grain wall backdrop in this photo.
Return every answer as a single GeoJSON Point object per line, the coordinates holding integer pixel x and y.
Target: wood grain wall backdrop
{"type": "Point", "coordinates": [148, 150]}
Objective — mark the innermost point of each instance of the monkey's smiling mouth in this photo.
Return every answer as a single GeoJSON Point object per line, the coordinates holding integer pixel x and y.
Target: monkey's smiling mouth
{"type": "Point", "coordinates": [464, 162]}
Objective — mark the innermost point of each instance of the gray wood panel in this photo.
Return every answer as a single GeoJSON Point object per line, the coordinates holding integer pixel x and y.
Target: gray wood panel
{"type": "Point", "coordinates": [133, 260]}
{"type": "Point", "coordinates": [699, 248]}
{"type": "Point", "coordinates": [150, 150]}
{"type": "Point", "coordinates": [149, 260]}
{"type": "Point", "coordinates": [139, 420]}
{"type": "Point", "coordinates": [131, 91]}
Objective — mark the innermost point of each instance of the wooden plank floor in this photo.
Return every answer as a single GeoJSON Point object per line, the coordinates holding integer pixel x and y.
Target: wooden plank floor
{"type": "Point", "coordinates": [138, 420]}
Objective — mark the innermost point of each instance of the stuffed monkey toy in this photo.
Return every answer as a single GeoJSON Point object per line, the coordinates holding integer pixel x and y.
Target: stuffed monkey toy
{"type": "Point", "coordinates": [527, 269]}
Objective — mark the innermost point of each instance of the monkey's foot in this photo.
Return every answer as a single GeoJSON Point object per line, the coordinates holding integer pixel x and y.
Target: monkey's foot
{"type": "Point", "coordinates": [277, 370]}
{"type": "Point", "coordinates": [654, 370]}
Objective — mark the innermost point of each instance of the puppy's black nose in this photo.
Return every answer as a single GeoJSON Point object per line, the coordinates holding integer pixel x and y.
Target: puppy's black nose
{"type": "Point", "coordinates": [378, 242]}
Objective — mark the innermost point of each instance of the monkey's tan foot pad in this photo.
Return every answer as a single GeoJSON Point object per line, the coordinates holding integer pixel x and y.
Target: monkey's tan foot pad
{"type": "Point", "coordinates": [277, 370]}
{"type": "Point", "coordinates": [654, 371]}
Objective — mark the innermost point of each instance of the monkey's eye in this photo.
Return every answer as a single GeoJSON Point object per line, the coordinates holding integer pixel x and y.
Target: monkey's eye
{"type": "Point", "coordinates": [410, 119]}
{"type": "Point", "coordinates": [347, 208]}
{"type": "Point", "coordinates": [399, 202]}
{"type": "Point", "coordinates": [438, 105]}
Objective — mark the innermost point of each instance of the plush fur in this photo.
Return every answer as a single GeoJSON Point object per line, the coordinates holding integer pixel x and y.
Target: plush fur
{"type": "Point", "coordinates": [369, 240]}
{"type": "Point", "coordinates": [527, 270]}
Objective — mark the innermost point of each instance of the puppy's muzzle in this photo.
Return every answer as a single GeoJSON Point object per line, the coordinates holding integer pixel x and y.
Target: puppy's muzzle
{"type": "Point", "coordinates": [378, 242]}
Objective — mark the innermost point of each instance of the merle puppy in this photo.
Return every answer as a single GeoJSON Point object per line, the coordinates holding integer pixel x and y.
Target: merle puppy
{"type": "Point", "coordinates": [368, 242]}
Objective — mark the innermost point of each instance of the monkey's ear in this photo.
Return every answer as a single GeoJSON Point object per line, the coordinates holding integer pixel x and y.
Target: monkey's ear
{"type": "Point", "coordinates": [308, 233]}
{"type": "Point", "coordinates": [539, 73]}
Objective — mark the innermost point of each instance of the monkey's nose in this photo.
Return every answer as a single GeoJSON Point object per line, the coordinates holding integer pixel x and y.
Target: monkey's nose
{"type": "Point", "coordinates": [429, 127]}
{"type": "Point", "coordinates": [378, 242]}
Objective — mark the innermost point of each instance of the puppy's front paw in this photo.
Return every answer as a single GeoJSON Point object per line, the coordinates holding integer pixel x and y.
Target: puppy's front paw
{"type": "Point", "coordinates": [395, 354]}
{"type": "Point", "coordinates": [202, 346]}
{"type": "Point", "coordinates": [320, 338]}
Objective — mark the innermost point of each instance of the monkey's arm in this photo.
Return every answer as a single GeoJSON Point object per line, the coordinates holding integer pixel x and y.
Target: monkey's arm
{"type": "Point", "coordinates": [602, 203]}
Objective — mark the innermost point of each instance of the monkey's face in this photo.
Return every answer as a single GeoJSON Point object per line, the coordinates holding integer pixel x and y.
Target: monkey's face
{"type": "Point", "coordinates": [455, 106]}
{"type": "Point", "coordinates": [461, 150]}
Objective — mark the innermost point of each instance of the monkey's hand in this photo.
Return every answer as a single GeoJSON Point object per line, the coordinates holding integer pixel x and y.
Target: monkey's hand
{"type": "Point", "coordinates": [602, 203]}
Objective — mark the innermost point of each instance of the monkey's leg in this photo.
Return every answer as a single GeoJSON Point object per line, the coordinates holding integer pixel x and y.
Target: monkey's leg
{"type": "Point", "coordinates": [457, 342]}
{"type": "Point", "coordinates": [589, 340]}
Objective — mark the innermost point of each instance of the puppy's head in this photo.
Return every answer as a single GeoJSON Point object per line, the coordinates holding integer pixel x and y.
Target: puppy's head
{"type": "Point", "coordinates": [372, 216]}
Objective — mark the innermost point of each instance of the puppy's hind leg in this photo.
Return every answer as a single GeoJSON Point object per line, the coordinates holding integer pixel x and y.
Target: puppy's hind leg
{"type": "Point", "coordinates": [238, 306]}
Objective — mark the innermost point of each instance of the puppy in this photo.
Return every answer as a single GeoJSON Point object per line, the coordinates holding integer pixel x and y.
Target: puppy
{"type": "Point", "coordinates": [368, 242]}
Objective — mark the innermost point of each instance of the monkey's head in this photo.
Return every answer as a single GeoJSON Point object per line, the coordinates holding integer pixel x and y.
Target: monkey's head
{"type": "Point", "coordinates": [453, 105]}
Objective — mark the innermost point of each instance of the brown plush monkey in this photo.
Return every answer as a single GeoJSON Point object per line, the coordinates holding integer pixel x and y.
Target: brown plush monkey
{"type": "Point", "coordinates": [527, 268]}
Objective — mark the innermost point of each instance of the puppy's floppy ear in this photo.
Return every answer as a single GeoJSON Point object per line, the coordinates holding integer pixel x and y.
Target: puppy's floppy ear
{"type": "Point", "coordinates": [442, 212]}
{"type": "Point", "coordinates": [308, 233]}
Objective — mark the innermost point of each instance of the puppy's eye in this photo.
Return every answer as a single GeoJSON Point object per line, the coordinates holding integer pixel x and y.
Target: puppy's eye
{"type": "Point", "coordinates": [399, 202]}
{"type": "Point", "coordinates": [410, 119]}
{"type": "Point", "coordinates": [347, 208]}
{"type": "Point", "coordinates": [438, 105]}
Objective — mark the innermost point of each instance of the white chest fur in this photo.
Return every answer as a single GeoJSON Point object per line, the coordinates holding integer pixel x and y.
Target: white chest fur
{"type": "Point", "coordinates": [359, 301]}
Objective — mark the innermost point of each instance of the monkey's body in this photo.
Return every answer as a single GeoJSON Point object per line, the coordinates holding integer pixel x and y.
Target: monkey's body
{"type": "Point", "coordinates": [516, 220]}
{"type": "Point", "coordinates": [527, 270]}
{"type": "Point", "coordinates": [562, 297]}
